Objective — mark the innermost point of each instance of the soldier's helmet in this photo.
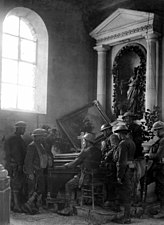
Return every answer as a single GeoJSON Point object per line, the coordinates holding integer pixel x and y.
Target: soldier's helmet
{"type": "Point", "coordinates": [121, 128]}
{"type": "Point", "coordinates": [39, 132]}
{"type": "Point", "coordinates": [20, 124]}
{"type": "Point", "coordinates": [158, 125]}
{"type": "Point", "coordinates": [128, 114]}
{"type": "Point", "coordinates": [89, 137]}
{"type": "Point", "coordinates": [106, 126]}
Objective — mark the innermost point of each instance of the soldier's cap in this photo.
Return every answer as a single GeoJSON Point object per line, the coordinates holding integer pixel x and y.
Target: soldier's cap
{"type": "Point", "coordinates": [105, 127]}
{"type": "Point", "coordinates": [20, 124]}
{"type": "Point", "coordinates": [121, 128]}
{"type": "Point", "coordinates": [158, 125]}
{"type": "Point", "coordinates": [39, 132]}
{"type": "Point", "coordinates": [130, 114]}
{"type": "Point", "coordinates": [89, 137]}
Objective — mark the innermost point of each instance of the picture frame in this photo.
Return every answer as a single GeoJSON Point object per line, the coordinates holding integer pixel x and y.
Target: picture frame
{"type": "Point", "coordinates": [89, 119]}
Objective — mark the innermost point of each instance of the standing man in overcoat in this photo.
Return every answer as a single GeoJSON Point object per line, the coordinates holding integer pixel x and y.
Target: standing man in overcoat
{"type": "Point", "coordinates": [15, 150]}
{"type": "Point", "coordinates": [36, 161]}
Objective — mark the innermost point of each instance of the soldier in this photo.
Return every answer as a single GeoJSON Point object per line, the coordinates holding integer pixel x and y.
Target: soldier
{"type": "Point", "coordinates": [107, 149]}
{"type": "Point", "coordinates": [124, 157]}
{"type": "Point", "coordinates": [89, 158]}
{"type": "Point", "coordinates": [136, 131]}
{"type": "Point", "coordinates": [15, 150]}
{"type": "Point", "coordinates": [36, 161]}
{"type": "Point", "coordinates": [106, 129]}
{"type": "Point", "coordinates": [156, 171]}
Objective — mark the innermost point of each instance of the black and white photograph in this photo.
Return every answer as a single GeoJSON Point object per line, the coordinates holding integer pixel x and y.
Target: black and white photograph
{"type": "Point", "coordinates": [81, 112]}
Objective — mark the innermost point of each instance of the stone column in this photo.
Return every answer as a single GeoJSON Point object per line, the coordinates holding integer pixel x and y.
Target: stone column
{"type": "Point", "coordinates": [101, 74]}
{"type": "Point", "coordinates": [152, 71]}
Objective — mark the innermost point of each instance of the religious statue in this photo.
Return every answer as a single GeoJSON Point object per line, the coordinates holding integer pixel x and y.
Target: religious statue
{"type": "Point", "coordinates": [135, 91]}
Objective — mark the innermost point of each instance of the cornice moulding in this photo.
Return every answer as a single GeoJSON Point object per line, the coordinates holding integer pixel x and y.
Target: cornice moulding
{"type": "Point", "coordinates": [126, 24]}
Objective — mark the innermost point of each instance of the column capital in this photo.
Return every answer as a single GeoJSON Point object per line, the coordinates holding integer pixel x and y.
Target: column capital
{"type": "Point", "coordinates": [152, 36]}
{"type": "Point", "coordinates": [102, 48]}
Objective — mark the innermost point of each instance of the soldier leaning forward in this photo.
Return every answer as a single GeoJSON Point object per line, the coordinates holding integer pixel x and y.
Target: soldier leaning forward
{"type": "Point", "coordinates": [88, 159]}
{"type": "Point", "coordinates": [15, 150]}
{"type": "Point", "coordinates": [156, 171]}
{"type": "Point", "coordinates": [36, 160]}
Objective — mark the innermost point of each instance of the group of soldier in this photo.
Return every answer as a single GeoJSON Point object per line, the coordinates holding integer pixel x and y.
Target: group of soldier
{"type": "Point", "coordinates": [27, 164]}
{"type": "Point", "coordinates": [121, 150]}
{"type": "Point", "coordinates": [122, 145]}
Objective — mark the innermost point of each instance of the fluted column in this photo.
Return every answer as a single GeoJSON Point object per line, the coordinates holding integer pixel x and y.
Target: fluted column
{"type": "Point", "coordinates": [101, 74]}
{"type": "Point", "coordinates": [152, 71]}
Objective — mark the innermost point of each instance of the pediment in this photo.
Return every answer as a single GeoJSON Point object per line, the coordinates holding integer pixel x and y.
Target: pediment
{"type": "Point", "coordinates": [123, 21]}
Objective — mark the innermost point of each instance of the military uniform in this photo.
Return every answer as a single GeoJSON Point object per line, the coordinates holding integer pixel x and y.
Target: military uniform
{"type": "Point", "coordinates": [107, 161]}
{"type": "Point", "coordinates": [124, 157]}
{"type": "Point", "coordinates": [111, 171]}
{"type": "Point", "coordinates": [15, 150]}
{"type": "Point", "coordinates": [156, 171]}
{"type": "Point", "coordinates": [36, 161]}
{"type": "Point", "coordinates": [137, 135]}
{"type": "Point", "coordinates": [88, 159]}
{"type": "Point", "coordinates": [136, 132]}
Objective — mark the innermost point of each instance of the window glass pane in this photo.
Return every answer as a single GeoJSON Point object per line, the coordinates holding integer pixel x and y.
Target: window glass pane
{"type": "Point", "coordinates": [26, 74]}
{"type": "Point", "coordinates": [26, 98]}
{"type": "Point", "coordinates": [9, 71]}
{"type": "Point", "coordinates": [28, 51]}
{"type": "Point", "coordinates": [25, 31]}
{"type": "Point", "coordinates": [11, 25]}
{"type": "Point", "coordinates": [10, 47]}
{"type": "Point", "coordinates": [8, 96]}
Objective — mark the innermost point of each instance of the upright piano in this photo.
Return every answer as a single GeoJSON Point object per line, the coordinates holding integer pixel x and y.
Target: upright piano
{"type": "Point", "coordinates": [58, 176]}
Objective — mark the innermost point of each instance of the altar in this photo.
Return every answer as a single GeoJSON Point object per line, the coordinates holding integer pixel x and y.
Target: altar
{"type": "Point", "coordinates": [126, 41]}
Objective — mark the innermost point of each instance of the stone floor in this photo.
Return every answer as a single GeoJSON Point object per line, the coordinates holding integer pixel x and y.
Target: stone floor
{"type": "Point", "coordinates": [47, 217]}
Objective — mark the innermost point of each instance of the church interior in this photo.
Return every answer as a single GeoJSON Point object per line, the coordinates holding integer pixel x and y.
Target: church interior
{"type": "Point", "coordinates": [79, 61]}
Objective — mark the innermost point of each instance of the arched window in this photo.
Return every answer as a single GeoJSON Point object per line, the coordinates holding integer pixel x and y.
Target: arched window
{"type": "Point", "coordinates": [24, 62]}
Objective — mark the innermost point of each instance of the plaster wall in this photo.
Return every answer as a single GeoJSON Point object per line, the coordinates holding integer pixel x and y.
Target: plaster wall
{"type": "Point", "coordinates": [71, 65]}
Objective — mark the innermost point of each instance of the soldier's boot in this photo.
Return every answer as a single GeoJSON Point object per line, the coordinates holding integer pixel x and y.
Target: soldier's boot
{"type": "Point", "coordinates": [126, 217]}
{"type": "Point", "coordinates": [16, 202]}
{"type": "Point", "coordinates": [68, 209]}
{"type": "Point", "coordinates": [12, 201]}
{"type": "Point", "coordinates": [161, 212]}
{"type": "Point", "coordinates": [29, 205]}
{"type": "Point", "coordinates": [38, 203]}
{"type": "Point", "coordinates": [115, 207]}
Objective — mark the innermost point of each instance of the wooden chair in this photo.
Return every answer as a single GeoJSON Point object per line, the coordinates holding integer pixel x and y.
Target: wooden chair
{"type": "Point", "coordinates": [95, 189]}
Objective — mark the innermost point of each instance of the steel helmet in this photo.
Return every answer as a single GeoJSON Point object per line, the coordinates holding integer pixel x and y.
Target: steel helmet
{"type": "Point", "coordinates": [20, 124]}
{"type": "Point", "coordinates": [106, 126]}
{"type": "Point", "coordinates": [130, 114]}
{"type": "Point", "coordinates": [121, 128]}
{"type": "Point", "coordinates": [158, 125]}
{"type": "Point", "coordinates": [89, 137]}
{"type": "Point", "coordinates": [39, 132]}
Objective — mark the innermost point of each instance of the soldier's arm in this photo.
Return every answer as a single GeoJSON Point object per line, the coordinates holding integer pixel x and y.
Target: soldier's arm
{"type": "Point", "coordinates": [77, 161]}
{"type": "Point", "coordinates": [122, 160]}
{"type": "Point", "coordinates": [7, 154]}
{"type": "Point", "coordinates": [160, 151]}
{"type": "Point", "coordinates": [28, 163]}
